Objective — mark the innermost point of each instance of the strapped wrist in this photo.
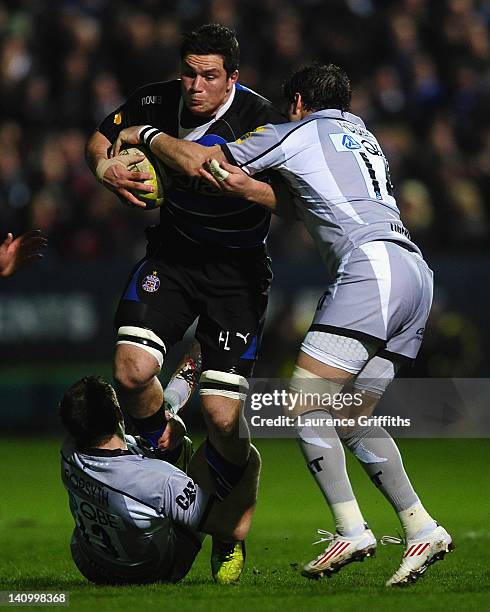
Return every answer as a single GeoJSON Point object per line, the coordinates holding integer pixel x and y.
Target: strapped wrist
{"type": "Point", "coordinates": [147, 133]}
{"type": "Point", "coordinates": [102, 166]}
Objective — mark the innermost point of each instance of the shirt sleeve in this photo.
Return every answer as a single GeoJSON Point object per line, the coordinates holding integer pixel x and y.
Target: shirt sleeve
{"type": "Point", "coordinates": [256, 151]}
{"type": "Point", "coordinates": [122, 117]}
{"type": "Point", "coordinates": [184, 501]}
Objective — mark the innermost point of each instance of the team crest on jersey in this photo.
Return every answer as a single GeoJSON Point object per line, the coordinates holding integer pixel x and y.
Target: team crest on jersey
{"type": "Point", "coordinates": [118, 118]}
{"type": "Point", "coordinates": [151, 283]}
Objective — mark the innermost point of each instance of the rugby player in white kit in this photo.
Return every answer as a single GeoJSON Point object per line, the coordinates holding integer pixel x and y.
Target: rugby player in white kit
{"type": "Point", "coordinates": [138, 519]}
{"type": "Point", "coordinates": [372, 317]}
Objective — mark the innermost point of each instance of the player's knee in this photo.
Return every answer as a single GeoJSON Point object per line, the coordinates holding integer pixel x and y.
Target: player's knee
{"type": "Point", "coordinates": [223, 422]}
{"type": "Point", "coordinates": [134, 370]}
{"type": "Point", "coordinates": [222, 394]}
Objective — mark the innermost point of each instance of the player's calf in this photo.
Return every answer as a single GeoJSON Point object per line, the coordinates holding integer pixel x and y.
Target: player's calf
{"type": "Point", "coordinates": [222, 395]}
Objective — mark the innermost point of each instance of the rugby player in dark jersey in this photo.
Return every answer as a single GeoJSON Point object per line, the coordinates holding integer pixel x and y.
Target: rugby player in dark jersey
{"type": "Point", "coordinates": [205, 260]}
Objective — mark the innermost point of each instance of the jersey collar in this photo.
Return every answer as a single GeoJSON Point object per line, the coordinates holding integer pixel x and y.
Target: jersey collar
{"type": "Point", "coordinates": [335, 113]}
{"type": "Point", "coordinates": [200, 130]}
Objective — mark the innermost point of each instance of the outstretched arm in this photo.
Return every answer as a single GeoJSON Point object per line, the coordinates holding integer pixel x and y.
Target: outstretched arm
{"type": "Point", "coordinates": [23, 250]}
{"type": "Point", "coordinates": [182, 155]}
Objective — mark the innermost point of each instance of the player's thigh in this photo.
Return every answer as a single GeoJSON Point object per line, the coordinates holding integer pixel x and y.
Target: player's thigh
{"type": "Point", "coordinates": [355, 303]}
{"type": "Point", "coordinates": [412, 300]}
{"type": "Point", "coordinates": [156, 307]}
{"type": "Point", "coordinates": [233, 315]}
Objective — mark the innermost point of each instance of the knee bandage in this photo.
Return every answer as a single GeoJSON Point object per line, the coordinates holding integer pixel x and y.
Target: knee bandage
{"type": "Point", "coordinates": [144, 339]}
{"type": "Point", "coordinates": [376, 376]}
{"type": "Point", "coordinates": [305, 381]}
{"type": "Point", "coordinates": [215, 382]}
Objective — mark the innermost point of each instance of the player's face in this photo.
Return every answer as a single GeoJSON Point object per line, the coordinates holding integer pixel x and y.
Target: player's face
{"type": "Point", "coordinates": [205, 85]}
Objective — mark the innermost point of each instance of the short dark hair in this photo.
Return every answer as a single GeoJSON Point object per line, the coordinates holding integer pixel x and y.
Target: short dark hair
{"type": "Point", "coordinates": [89, 411]}
{"type": "Point", "coordinates": [320, 86]}
{"type": "Point", "coordinates": [213, 38]}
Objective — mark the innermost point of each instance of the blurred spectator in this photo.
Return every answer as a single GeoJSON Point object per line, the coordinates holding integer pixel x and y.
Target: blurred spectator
{"type": "Point", "coordinates": [420, 72]}
{"type": "Point", "coordinates": [421, 79]}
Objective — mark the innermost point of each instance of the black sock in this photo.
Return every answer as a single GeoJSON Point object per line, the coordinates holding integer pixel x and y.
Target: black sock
{"type": "Point", "coordinates": [151, 428]}
{"type": "Point", "coordinates": [226, 474]}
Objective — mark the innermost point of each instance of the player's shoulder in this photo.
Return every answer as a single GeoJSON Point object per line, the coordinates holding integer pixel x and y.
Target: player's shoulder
{"type": "Point", "coordinates": [157, 93]}
{"type": "Point", "coordinates": [249, 103]}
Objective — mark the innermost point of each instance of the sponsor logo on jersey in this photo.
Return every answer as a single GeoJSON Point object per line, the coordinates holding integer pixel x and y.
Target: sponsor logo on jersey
{"type": "Point", "coordinates": [151, 283]}
{"type": "Point", "coordinates": [420, 333]}
{"type": "Point", "coordinates": [151, 100]}
{"type": "Point", "coordinates": [188, 496]}
{"type": "Point", "coordinates": [261, 128]}
{"type": "Point", "coordinates": [345, 142]}
{"type": "Point", "coordinates": [400, 229]}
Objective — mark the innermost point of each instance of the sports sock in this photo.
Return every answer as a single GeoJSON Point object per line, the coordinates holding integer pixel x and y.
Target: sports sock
{"type": "Point", "coordinates": [379, 456]}
{"type": "Point", "coordinates": [416, 521]}
{"type": "Point", "coordinates": [226, 475]}
{"type": "Point", "coordinates": [325, 457]}
{"type": "Point", "coordinates": [176, 393]}
{"type": "Point", "coordinates": [151, 428]}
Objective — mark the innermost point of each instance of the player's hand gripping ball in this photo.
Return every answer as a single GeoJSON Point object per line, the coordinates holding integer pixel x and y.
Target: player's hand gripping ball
{"type": "Point", "coordinates": [160, 180]}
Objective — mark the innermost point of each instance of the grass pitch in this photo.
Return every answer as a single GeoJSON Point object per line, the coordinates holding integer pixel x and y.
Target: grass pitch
{"type": "Point", "coordinates": [451, 476]}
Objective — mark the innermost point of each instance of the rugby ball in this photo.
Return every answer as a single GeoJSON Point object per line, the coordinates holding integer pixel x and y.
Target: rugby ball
{"type": "Point", "coordinates": [160, 179]}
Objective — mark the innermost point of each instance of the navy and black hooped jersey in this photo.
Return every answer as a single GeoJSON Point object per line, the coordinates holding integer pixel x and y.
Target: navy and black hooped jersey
{"type": "Point", "coordinates": [194, 208]}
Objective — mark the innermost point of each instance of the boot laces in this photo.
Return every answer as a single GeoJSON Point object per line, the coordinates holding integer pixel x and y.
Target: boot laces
{"type": "Point", "coordinates": [329, 536]}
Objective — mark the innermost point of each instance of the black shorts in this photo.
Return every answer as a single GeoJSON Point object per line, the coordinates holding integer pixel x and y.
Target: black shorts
{"type": "Point", "coordinates": [226, 290]}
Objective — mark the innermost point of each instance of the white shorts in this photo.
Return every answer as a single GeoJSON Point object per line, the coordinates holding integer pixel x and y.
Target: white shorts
{"type": "Point", "coordinates": [382, 296]}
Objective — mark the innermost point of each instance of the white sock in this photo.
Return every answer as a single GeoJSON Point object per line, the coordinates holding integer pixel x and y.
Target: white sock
{"type": "Point", "coordinates": [176, 393]}
{"type": "Point", "coordinates": [416, 521]}
{"type": "Point", "coordinates": [349, 521]}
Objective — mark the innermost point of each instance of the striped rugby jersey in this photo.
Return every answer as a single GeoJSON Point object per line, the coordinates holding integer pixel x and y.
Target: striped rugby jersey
{"type": "Point", "coordinates": [125, 505]}
{"type": "Point", "coordinates": [193, 208]}
{"type": "Point", "coordinates": [337, 174]}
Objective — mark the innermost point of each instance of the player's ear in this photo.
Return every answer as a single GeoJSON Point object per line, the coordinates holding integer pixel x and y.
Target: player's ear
{"type": "Point", "coordinates": [296, 107]}
{"type": "Point", "coordinates": [232, 79]}
{"type": "Point", "coordinates": [298, 103]}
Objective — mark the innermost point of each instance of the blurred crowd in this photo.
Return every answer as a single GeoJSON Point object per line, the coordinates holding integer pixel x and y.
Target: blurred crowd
{"type": "Point", "coordinates": [421, 80]}
{"type": "Point", "coordinates": [420, 75]}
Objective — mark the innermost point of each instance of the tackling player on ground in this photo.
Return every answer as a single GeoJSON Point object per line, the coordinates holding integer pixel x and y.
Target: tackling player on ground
{"type": "Point", "coordinates": [371, 318]}
{"type": "Point", "coordinates": [206, 259]}
{"type": "Point", "coordinates": [138, 519]}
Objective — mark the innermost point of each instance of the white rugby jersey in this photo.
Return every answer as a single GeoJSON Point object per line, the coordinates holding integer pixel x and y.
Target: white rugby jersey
{"type": "Point", "coordinates": [337, 174]}
{"type": "Point", "coordinates": [125, 504]}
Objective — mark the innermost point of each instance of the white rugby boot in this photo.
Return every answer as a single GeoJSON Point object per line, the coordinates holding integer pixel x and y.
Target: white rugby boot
{"type": "Point", "coordinates": [419, 554]}
{"type": "Point", "coordinates": [341, 551]}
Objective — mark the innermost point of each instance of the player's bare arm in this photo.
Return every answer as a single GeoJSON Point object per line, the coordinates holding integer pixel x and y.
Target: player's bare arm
{"type": "Point", "coordinates": [183, 155]}
{"type": "Point", "coordinates": [114, 172]}
{"type": "Point", "coordinates": [23, 250]}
